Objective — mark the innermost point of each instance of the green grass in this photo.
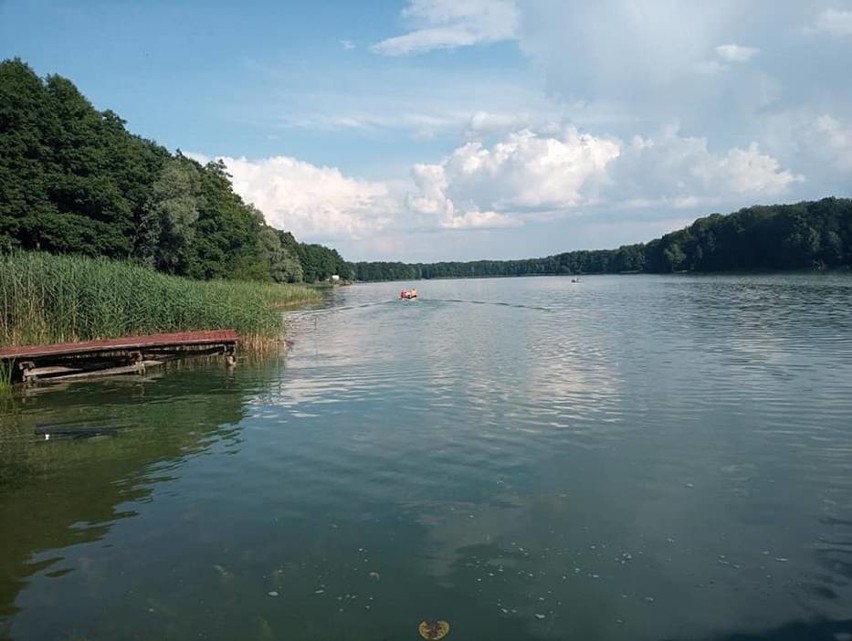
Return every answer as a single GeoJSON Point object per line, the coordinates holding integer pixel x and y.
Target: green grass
{"type": "Point", "coordinates": [49, 299]}
{"type": "Point", "coordinates": [5, 379]}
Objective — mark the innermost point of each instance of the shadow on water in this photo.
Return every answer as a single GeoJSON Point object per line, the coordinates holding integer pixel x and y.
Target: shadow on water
{"type": "Point", "coordinates": [817, 630]}
{"type": "Point", "coordinates": [68, 491]}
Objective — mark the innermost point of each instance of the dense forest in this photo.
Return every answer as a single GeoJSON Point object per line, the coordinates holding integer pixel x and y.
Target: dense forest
{"type": "Point", "coordinates": [73, 180]}
{"type": "Point", "coordinates": [807, 235]}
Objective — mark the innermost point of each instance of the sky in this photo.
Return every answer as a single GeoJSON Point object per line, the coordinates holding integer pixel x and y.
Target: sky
{"type": "Point", "coordinates": [427, 130]}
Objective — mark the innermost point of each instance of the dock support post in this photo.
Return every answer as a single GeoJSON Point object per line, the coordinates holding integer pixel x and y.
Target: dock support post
{"type": "Point", "coordinates": [26, 368]}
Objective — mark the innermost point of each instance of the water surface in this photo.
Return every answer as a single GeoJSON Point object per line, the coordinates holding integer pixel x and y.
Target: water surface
{"type": "Point", "coordinates": [621, 458]}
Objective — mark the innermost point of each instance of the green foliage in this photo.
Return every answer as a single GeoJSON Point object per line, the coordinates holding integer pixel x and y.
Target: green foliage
{"type": "Point", "coordinates": [46, 298]}
{"type": "Point", "coordinates": [319, 263]}
{"type": "Point", "coordinates": [73, 180]}
{"type": "Point", "coordinates": [5, 377]}
{"type": "Point", "coordinates": [802, 236]}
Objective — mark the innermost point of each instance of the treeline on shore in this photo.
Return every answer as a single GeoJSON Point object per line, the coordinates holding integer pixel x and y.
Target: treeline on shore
{"type": "Point", "coordinates": [73, 180]}
{"type": "Point", "coordinates": [805, 235]}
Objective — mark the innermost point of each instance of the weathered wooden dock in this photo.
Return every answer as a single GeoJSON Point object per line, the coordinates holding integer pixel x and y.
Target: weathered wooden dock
{"type": "Point", "coordinates": [130, 354]}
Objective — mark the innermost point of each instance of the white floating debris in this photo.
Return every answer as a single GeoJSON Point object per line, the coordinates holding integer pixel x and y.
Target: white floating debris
{"type": "Point", "coordinates": [320, 591]}
{"type": "Point", "coordinates": [781, 559]}
{"type": "Point", "coordinates": [273, 593]}
{"type": "Point", "coordinates": [649, 599]}
{"type": "Point", "coordinates": [539, 616]}
{"type": "Point", "coordinates": [374, 575]}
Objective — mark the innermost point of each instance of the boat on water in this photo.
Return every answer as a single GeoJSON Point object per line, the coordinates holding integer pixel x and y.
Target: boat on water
{"type": "Point", "coordinates": [408, 294]}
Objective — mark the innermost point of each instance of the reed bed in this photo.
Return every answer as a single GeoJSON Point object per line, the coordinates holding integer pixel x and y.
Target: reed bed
{"type": "Point", "coordinates": [51, 299]}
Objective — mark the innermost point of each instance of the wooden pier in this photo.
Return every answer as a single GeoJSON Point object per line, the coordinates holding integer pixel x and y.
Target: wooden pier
{"type": "Point", "coordinates": [131, 354]}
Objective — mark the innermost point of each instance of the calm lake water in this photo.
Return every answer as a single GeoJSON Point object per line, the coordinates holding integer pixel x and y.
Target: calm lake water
{"type": "Point", "coordinates": [640, 458]}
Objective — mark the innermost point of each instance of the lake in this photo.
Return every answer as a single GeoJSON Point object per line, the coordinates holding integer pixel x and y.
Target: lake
{"type": "Point", "coordinates": [627, 457]}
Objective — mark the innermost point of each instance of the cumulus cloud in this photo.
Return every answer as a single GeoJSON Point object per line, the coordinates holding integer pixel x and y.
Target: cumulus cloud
{"type": "Point", "coordinates": [313, 202]}
{"type": "Point", "coordinates": [819, 141]}
{"type": "Point", "coordinates": [834, 22]}
{"type": "Point", "coordinates": [447, 24]}
{"type": "Point", "coordinates": [437, 209]}
{"type": "Point", "coordinates": [479, 186]}
{"type": "Point", "coordinates": [681, 171]}
{"type": "Point", "coordinates": [529, 172]}
{"type": "Point", "coordinates": [736, 53]}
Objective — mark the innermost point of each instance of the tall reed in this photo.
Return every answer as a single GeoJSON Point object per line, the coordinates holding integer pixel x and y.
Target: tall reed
{"type": "Point", "coordinates": [47, 299]}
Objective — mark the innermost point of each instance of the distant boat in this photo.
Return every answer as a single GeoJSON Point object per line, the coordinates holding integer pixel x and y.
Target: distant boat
{"type": "Point", "coordinates": [408, 294]}
{"type": "Point", "coordinates": [575, 280]}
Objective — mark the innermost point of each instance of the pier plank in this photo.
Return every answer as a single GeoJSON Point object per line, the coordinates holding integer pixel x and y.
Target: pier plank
{"type": "Point", "coordinates": [176, 339]}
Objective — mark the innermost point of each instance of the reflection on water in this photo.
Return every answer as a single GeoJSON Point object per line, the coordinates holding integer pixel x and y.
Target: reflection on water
{"type": "Point", "coordinates": [633, 457]}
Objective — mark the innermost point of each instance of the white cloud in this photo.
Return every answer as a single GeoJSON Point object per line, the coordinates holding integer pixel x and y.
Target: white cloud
{"type": "Point", "coordinates": [437, 209]}
{"type": "Point", "coordinates": [736, 53]}
{"type": "Point", "coordinates": [530, 175]}
{"type": "Point", "coordinates": [315, 203]}
{"type": "Point", "coordinates": [448, 24]}
{"type": "Point", "coordinates": [655, 61]}
{"type": "Point", "coordinates": [481, 186]}
{"type": "Point", "coordinates": [836, 139]}
{"type": "Point", "coordinates": [487, 122]}
{"type": "Point", "coordinates": [681, 172]}
{"type": "Point", "coordinates": [749, 172]}
{"type": "Point", "coordinates": [834, 22]}
{"type": "Point", "coordinates": [348, 45]}
{"type": "Point", "coordinates": [819, 141]}
{"type": "Point", "coordinates": [525, 176]}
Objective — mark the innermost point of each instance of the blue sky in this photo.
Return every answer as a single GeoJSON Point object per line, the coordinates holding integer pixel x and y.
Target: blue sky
{"type": "Point", "coordinates": [424, 130]}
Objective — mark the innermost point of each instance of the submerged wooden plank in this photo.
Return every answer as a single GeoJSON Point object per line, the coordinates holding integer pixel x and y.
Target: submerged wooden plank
{"type": "Point", "coordinates": [207, 337]}
{"type": "Point", "coordinates": [51, 371]}
{"type": "Point", "coordinates": [136, 368]}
